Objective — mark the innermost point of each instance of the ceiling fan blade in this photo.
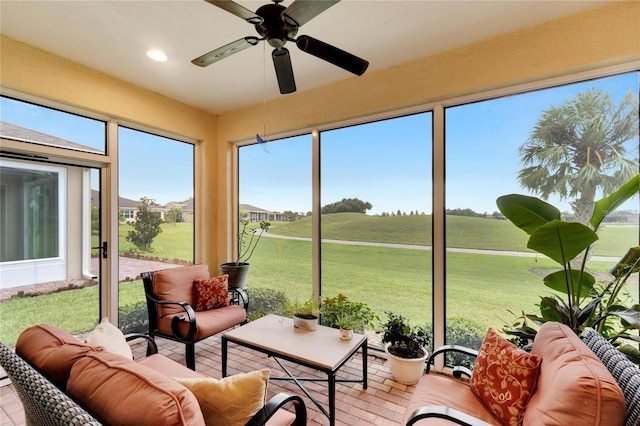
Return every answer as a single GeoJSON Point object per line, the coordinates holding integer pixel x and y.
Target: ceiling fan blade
{"type": "Point", "coordinates": [332, 54]}
{"type": "Point", "coordinates": [284, 70]}
{"type": "Point", "coordinates": [302, 11]}
{"type": "Point", "coordinates": [237, 10]}
{"type": "Point", "coordinates": [224, 51]}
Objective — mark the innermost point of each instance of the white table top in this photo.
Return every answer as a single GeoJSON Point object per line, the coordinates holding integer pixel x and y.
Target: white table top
{"type": "Point", "coordinates": [321, 348]}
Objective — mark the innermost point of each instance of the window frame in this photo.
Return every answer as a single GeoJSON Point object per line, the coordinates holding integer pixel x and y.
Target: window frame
{"type": "Point", "coordinates": [437, 107]}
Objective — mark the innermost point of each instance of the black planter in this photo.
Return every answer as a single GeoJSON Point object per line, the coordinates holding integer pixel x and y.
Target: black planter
{"type": "Point", "coordinates": [237, 274]}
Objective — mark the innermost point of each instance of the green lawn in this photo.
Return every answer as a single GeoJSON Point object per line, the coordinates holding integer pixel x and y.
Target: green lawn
{"type": "Point", "coordinates": [479, 286]}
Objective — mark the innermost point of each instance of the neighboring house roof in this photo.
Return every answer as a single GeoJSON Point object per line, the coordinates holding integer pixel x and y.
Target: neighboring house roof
{"type": "Point", "coordinates": [250, 208]}
{"type": "Point", "coordinates": [122, 202]}
{"type": "Point", "coordinates": [22, 134]}
{"type": "Point", "coordinates": [186, 205]}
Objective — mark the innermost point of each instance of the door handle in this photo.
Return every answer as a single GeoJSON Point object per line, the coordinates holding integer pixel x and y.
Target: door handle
{"type": "Point", "coordinates": [103, 248]}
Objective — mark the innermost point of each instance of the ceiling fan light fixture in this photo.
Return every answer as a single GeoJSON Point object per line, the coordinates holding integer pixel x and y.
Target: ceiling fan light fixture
{"type": "Point", "coordinates": [157, 55]}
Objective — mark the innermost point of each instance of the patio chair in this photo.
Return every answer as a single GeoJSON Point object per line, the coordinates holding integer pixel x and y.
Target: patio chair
{"type": "Point", "coordinates": [172, 302]}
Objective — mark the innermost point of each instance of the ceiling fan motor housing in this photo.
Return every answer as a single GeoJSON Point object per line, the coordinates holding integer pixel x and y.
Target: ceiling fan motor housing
{"type": "Point", "coordinates": [273, 28]}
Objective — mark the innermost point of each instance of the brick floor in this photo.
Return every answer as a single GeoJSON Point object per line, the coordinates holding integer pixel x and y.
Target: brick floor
{"type": "Point", "coordinates": [382, 403]}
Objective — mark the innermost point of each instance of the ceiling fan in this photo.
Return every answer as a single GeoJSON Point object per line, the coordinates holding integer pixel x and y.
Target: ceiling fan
{"type": "Point", "coordinates": [278, 24]}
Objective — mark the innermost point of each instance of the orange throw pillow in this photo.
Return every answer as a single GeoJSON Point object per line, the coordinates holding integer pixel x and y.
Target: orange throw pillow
{"type": "Point", "coordinates": [504, 377]}
{"type": "Point", "coordinates": [212, 293]}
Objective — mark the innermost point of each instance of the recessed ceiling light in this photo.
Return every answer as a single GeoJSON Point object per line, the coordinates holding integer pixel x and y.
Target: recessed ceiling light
{"type": "Point", "coordinates": [157, 55]}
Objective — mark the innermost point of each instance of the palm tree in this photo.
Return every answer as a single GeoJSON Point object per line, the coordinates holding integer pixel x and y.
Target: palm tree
{"type": "Point", "coordinates": [582, 146]}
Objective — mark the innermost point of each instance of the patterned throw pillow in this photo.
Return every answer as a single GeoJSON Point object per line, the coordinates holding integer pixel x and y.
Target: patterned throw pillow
{"type": "Point", "coordinates": [504, 377]}
{"type": "Point", "coordinates": [231, 401]}
{"type": "Point", "coordinates": [212, 293]}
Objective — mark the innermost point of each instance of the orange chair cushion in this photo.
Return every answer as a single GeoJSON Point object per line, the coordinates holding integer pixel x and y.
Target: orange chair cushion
{"type": "Point", "coordinates": [176, 285]}
{"type": "Point", "coordinates": [574, 387]}
{"type": "Point", "coordinates": [208, 322]}
{"type": "Point", "coordinates": [212, 293]}
{"type": "Point", "coordinates": [118, 391]}
{"type": "Point", "coordinates": [504, 377]}
{"type": "Point", "coordinates": [51, 351]}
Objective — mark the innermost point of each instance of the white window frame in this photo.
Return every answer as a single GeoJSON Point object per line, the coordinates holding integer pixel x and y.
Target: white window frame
{"type": "Point", "coordinates": [25, 272]}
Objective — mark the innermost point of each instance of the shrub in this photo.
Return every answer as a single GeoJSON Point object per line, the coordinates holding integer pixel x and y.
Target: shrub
{"type": "Point", "coordinates": [463, 332]}
{"type": "Point", "coordinates": [134, 318]}
{"type": "Point", "coordinates": [264, 301]}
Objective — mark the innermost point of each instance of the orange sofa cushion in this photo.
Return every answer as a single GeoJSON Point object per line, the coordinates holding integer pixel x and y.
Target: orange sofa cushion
{"type": "Point", "coordinates": [446, 391]}
{"type": "Point", "coordinates": [574, 387]}
{"type": "Point", "coordinates": [119, 391]}
{"type": "Point", "coordinates": [51, 351]}
{"type": "Point", "coordinates": [176, 285]}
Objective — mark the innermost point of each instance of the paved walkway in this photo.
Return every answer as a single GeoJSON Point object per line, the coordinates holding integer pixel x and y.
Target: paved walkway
{"type": "Point", "coordinates": [419, 247]}
{"type": "Point", "coordinates": [128, 269]}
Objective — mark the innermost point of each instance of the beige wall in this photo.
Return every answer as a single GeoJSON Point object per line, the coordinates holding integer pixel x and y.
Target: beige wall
{"type": "Point", "coordinates": [604, 36]}
{"type": "Point", "coordinates": [601, 37]}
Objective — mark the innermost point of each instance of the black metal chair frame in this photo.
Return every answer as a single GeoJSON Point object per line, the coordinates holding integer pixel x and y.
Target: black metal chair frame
{"type": "Point", "coordinates": [237, 296]}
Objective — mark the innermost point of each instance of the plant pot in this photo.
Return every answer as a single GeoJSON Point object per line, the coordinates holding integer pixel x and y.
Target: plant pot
{"type": "Point", "coordinates": [406, 370]}
{"type": "Point", "coordinates": [305, 323]}
{"type": "Point", "coordinates": [237, 273]}
{"type": "Point", "coordinates": [346, 334]}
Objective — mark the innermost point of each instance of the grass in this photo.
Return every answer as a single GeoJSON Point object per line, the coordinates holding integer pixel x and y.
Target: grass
{"type": "Point", "coordinates": [462, 232]}
{"type": "Point", "coordinates": [485, 288]}
{"type": "Point", "coordinates": [174, 242]}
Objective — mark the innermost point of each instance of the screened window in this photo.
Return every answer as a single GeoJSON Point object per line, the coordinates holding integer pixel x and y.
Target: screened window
{"type": "Point", "coordinates": [376, 216]}
{"type": "Point", "coordinates": [156, 175]}
{"type": "Point", "coordinates": [536, 144]}
{"type": "Point", "coordinates": [26, 122]}
{"type": "Point", "coordinates": [275, 186]}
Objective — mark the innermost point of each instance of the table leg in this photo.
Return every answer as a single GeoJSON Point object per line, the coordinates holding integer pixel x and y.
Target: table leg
{"type": "Point", "coordinates": [364, 365]}
{"type": "Point", "coordinates": [332, 398]}
{"type": "Point", "coordinates": [224, 356]}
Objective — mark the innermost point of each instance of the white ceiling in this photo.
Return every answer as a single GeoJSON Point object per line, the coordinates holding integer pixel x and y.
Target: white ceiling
{"type": "Point", "coordinates": [113, 36]}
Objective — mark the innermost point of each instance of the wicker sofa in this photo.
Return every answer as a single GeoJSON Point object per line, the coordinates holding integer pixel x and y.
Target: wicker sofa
{"type": "Point", "coordinates": [582, 381]}
{"type": "Point", "coordinates": [62, 381]}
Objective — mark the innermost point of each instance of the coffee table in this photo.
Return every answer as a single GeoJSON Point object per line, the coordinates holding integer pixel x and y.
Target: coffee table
{"type": "Point", "coordinates": [321, 349]}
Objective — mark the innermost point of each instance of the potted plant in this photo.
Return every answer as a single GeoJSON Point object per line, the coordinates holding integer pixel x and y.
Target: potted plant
{"type": "Point", "coordinates": [405, 348]}
{"type": "Point", "coordinates": [305, 314]}
{"type": "Point", "coordinates": [360, 313]}
{"type": "Point", "coordinates": [248, 240]}
{"type": "Point", "coordinates": [347, 323]}
{"type": "Point", "coordinates": [582, 302]}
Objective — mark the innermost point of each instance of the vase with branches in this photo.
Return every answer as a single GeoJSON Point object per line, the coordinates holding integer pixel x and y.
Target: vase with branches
{"type": "Point", "coordinates": [248, 239]}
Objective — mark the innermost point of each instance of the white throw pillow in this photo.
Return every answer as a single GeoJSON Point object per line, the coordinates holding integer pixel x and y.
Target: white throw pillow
{"type": "Point", "coordinates": [109, 337]}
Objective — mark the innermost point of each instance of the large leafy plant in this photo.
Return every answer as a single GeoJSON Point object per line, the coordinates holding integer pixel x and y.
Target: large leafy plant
{"type": "Point", "coordinates": [579, 300]}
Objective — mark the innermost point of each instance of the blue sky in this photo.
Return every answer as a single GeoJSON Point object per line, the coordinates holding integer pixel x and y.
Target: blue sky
{"type": "Point", "coordinates": [387, 163]}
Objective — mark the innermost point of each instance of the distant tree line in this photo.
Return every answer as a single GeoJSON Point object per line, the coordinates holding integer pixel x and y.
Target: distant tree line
{"type": "Point", "coordinates": [464, 212]}
{"type": "Point", "coordinates": [401, 213]}
{"type": "Point", "coordinates": [347, 205]}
